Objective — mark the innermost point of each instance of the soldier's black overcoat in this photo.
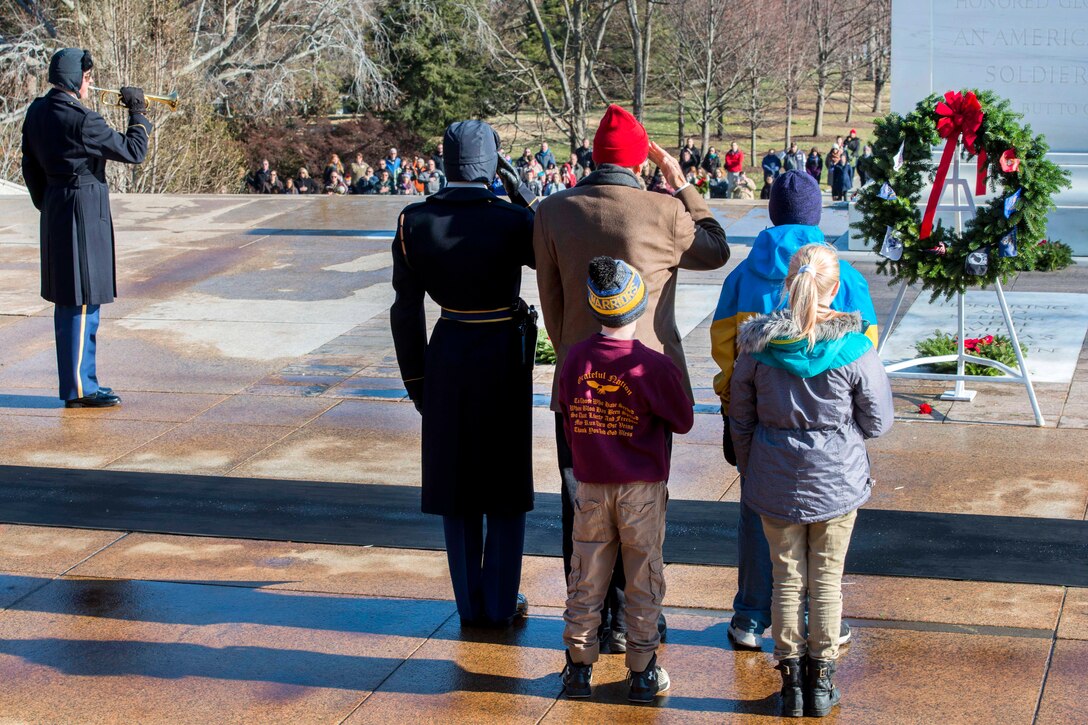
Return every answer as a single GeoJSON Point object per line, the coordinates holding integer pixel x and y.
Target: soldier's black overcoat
{"type": "Point", "coordinates": [466, 248]}
{"type": "Point", "coordinates": [65, 149]}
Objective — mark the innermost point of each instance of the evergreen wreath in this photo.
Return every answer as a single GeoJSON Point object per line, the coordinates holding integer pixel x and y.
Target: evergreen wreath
{"type": "Point", "coordinates": [1015, 160]}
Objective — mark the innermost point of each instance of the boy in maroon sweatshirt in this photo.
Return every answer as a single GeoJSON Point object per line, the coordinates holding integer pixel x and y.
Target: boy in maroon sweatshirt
{"type": "Point", "coordinates": [620, 402]}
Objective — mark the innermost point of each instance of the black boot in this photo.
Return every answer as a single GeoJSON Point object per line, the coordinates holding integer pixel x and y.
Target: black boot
{"type": "Point", "coordinates": [793, 703]}
{"type": "Point", "coordinates": [577, 679]}
{"type": "Point", "coordinates": [820, 692]}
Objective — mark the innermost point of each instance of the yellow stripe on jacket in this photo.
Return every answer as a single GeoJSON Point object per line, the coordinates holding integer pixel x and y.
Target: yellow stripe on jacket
{"type": "Point", "coordinates": [723, 347]}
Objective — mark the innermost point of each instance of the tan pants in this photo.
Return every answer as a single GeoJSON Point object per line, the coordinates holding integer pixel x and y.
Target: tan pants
{"type": "Point", "coordinates": [807, 559]}
{"type": "Point", "coordinates": [610, 518]}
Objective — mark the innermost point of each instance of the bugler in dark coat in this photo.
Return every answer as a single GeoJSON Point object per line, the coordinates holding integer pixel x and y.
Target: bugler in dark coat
{"type": "Point", "coordinates": [65, 150]}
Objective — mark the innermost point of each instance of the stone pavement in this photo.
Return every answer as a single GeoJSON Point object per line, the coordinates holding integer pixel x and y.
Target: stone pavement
{"type": "Point", "coordinates": [251, 339]}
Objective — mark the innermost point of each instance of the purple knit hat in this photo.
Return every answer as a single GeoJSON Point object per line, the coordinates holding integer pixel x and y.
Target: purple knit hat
{"type": "Point", "coordinates": [795, 199]}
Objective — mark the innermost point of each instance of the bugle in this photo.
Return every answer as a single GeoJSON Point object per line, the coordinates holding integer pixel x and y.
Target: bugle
{"type": "Point", "coordinates": [111, 97]}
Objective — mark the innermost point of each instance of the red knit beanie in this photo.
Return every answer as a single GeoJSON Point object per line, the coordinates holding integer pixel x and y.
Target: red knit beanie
{"type": "Point", "coordinates": [620, 139]}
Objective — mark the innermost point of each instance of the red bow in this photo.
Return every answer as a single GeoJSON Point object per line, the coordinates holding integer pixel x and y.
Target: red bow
{"type": "Point", "coordinates": [960, 114]}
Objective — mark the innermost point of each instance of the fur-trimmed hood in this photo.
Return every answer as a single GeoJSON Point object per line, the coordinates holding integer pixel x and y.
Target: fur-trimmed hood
{"type": "Point", "coordinates": [775, 340]}
{"type": "Point", "coordinates": [757, 332]}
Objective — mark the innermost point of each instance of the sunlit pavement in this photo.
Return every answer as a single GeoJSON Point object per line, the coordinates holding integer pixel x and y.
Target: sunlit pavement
{"type": "Point", "coordinates": [250, 339]}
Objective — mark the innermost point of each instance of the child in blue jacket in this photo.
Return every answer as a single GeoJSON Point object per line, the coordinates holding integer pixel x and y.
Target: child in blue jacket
{"type": "Point", "coordinates": [755, 287]}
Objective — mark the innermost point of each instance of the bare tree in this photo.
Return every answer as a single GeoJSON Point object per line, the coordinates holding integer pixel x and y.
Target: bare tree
{"type": "Point", "coordinates": [877, 19]}
{"type": "Point", "coordinates": [795, 56]}
{"type": "Point", "coordinates": [264, 54]}
{"type": "Point", "coordinates": [640, 16]}
{"type": "Point", "coordinates": [570, 36]}
{"type": "Point", "coordinates": [823, 23]}
{"type": "Point", "coordinates": [702, 42]}
{"type": "Point", "coordinates": [756, 62]}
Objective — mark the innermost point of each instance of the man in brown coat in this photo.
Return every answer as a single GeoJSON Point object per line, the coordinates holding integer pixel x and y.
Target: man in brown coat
{"type": "Point", "coordinates": [609, 214]}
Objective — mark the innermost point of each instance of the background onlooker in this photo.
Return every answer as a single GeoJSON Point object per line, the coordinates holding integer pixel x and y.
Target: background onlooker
{"type": "Point", "coordinates": [744, 187]}
{"type": "Point", "coordinates": [439, 159]}
{"type": "Point", "coordinates": [433, 180]}
{"type": "Point", "coordinates": [772, 164]}
{"type": "Point", "coordinates": [545, 157]}
{"type": "Point", "coordinates": [734, 163]}
{"type": "Point", "coordinates": [386, 184]}
{"type": "Point", "coordinates": [585, 156]}
{"type": "Point", "coordinates": [814, 164]}
{"type": "Point", "coordinates": [275, 186]}
{"type": "Point", "coordinates": [358, 167]}
{"type": "Point", "coordinates": [336, 184]}
{"type": "Point", "coordinates": [259, 180]}
{"type": "Point", "coordinates": [712, 162]}
{"type": "Point", "coordinates": [765, 192]}
{"type": "Point", "coordinates": [304, 183]}
{"type": "Point", "coordinates": [691, 148]}
{"type": "Point", "coordinates": [333, 167]}
{"type": "Point", "coordinates": [794, 159]}
{"type": "Point", "coordinates": [392, 163]}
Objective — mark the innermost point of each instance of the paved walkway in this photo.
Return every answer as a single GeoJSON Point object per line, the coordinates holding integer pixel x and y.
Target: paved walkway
{"type": "Point", "coordinates": [251, 339]}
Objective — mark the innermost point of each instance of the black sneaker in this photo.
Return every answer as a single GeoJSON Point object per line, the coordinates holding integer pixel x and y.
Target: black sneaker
{"type": "Point", "coordinates": [646, 685]}
{"type": "Point", "coordinates": [577, 679]}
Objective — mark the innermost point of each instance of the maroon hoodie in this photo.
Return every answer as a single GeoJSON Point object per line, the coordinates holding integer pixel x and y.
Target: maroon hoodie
{"type": "Point", "coordinates": [618, 399]}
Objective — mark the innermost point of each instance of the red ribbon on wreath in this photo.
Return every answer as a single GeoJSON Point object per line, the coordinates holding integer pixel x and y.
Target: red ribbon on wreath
{"type": "Point", "coordinates": [960, 114]}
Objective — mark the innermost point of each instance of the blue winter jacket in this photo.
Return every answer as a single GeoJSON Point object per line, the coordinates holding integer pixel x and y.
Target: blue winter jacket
{"type": "Point", "coordinates": [755, 288]}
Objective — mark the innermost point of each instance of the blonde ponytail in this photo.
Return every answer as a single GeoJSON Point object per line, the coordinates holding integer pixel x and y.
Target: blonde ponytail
{"type": "Point", "coordinates": [811, 285]}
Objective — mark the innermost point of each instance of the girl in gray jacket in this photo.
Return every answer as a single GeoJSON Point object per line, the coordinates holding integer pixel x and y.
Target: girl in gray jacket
{"type": "Point", "coordinates": [807, 391]}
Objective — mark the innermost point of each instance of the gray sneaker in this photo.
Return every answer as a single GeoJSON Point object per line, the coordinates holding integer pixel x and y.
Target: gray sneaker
{"type": "Point", "coordinates": [844, 633]}
{"type": "Point", "coordinates": [744, 639]}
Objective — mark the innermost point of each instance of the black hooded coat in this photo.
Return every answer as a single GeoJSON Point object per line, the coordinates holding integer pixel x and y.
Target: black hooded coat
{"type": "Point", "coordinates": [65, 150]}
{"type": "Point", "coordinates": [465, 248]}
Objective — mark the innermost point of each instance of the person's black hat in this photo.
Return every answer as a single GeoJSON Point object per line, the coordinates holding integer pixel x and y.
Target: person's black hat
{"type": "Point", "coordinates": [471, 149]}
{"type": "Point", "coordinates": [67, 67]}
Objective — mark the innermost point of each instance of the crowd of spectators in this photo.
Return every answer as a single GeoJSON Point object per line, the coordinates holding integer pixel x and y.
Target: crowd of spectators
{"type": "Point", "coordinates": [718, 175]}
{"type": "Point", "coordinates": [393, 176]}
{"type": "Point", "coordinates": [724, 177]}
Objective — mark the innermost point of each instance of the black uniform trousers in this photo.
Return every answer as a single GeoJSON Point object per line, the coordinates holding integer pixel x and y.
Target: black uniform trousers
{"type": "Point", "coordinates": [485, 568]}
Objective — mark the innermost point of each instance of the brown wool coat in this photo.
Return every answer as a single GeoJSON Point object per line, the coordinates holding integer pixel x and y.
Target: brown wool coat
{"type": "Point", "coordinates": [654, 233]}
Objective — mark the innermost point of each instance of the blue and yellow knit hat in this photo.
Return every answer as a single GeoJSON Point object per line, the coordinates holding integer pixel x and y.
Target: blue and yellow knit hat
{"type": "Point", "coordinates": [617, 294]}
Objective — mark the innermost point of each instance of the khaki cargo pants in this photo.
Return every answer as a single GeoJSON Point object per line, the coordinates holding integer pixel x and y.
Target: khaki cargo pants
{"type": "Point", "coordinates": [610, 518]}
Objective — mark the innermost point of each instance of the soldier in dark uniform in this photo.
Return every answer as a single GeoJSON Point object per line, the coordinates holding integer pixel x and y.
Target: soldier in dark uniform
{"type": "Point", "coordinates": [65, 149]}
{"type": "Point", "coordinates": [465, 247]}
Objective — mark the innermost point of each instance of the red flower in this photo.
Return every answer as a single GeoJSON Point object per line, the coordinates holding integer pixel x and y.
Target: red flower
{"type": "Point", "coordinates": [1041, 243]}
{"type": "Point", "coordinates": [971, 343]}
{"type": "Point", "coordinates": [1009, 163]}
{"type": "Point", "coordinates": [925, 408]}
{"type": "Point", "coordinates": [959, 113]}
{"type": "Point", "coordinates": [988, 340]}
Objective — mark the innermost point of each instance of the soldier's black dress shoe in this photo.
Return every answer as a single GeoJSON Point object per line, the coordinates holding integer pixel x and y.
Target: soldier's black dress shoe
{"type": "Point", "coordinates": [97, 399]}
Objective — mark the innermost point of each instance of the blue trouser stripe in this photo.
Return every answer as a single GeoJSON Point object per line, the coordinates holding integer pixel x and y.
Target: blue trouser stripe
{"type": "Point", "coordinates": [76, 327]}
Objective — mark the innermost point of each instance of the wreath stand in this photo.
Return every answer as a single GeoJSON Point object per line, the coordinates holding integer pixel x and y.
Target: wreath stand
{"type": "Point", "coordinates": [961, 358]}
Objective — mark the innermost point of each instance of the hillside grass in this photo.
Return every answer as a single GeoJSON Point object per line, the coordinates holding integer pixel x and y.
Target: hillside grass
{"type": "Point", "coordinates": [660, 120]}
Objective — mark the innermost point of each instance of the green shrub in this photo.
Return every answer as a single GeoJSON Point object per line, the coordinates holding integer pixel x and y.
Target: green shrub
{"type": "Point", "coordinates": [991, 347]}
{"type": "Point", "coordinates": [1050, 256]}
{"type": "Point", "coordinates": [545, 352]}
